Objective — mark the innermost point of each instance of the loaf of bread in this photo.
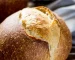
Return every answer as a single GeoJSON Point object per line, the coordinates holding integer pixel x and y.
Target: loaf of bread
{"type": "Point", "coordinates": [34, 34]}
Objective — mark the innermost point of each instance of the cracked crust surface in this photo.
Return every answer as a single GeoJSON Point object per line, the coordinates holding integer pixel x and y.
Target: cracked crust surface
{"type": "Point", "coordinates": [34, 34]}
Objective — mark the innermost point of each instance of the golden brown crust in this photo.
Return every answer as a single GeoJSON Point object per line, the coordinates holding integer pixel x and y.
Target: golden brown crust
{"type": "Point", "coordinates": [16, 44]}
{"type": "Point", "coordinates": [65, 42]}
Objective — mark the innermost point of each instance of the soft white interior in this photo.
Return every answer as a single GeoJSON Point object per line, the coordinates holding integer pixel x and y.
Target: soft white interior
{"type": "Point", "coordinates": [39, 25]}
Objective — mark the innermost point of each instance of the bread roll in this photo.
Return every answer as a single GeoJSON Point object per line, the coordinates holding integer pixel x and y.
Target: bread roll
{"type": "Point", "coordinates": [34, 34]}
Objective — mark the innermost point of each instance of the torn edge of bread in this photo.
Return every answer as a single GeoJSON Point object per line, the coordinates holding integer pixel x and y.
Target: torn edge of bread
{"type": "Point", "coordinates": [39, 25]}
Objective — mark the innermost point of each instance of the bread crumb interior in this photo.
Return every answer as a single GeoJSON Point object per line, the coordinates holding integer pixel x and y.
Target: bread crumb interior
{"type": "Point", "coordinates": [40, 26]}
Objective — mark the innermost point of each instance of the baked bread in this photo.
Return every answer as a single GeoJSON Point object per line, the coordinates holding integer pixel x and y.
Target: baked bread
{"type": "Point", "coordinates": [34, 34]}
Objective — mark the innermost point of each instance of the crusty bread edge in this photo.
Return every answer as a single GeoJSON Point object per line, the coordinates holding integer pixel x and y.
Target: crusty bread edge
{"type": "Point", "coordinates": [65, 42]}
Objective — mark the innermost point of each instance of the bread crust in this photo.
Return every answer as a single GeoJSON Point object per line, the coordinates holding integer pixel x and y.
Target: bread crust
{"type": "Point", "coordinates": [16, 44]}
{"type": "Point", "coordinates": [65, 42]}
